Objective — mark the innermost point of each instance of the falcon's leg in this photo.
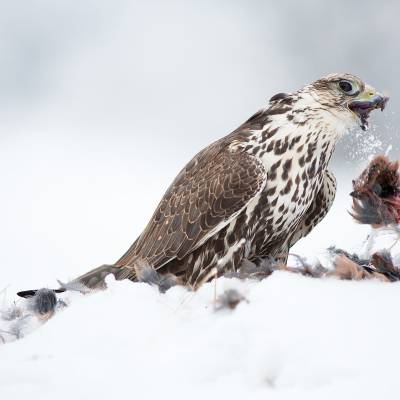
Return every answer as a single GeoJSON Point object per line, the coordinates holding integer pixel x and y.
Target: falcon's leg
{"type": "Point", "coordinates": [279, 256]}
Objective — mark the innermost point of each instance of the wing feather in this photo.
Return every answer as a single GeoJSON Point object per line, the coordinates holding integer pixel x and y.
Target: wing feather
{"type": "Point", "coordinates": [214, 187]}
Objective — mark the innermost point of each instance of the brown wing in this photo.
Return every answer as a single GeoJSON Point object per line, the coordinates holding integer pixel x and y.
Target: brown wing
{"type": "Point", "coordinates": [204, 197]}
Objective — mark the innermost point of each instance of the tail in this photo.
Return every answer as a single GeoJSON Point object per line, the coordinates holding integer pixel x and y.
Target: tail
{"type": "Point", "coordinates": [92, 280]}
{"type": "Point", "coordinates": [95, 279]}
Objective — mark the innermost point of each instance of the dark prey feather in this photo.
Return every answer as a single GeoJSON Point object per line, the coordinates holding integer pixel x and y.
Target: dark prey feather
{"type": "Point", "coordinates": [376, 194]}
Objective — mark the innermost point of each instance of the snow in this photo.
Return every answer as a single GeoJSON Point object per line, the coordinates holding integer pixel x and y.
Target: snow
{"type": "Point", "coordinates": [294, 336]}
{"type": "Point", "coordinates": [290, 336]}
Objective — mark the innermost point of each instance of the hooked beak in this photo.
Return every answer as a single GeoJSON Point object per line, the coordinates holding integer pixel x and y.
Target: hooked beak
{"type": "Point", "coordinates": [367, 101]}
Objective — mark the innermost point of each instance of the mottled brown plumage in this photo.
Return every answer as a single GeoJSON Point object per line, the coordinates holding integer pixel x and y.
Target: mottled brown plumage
{"type": "Point", "coordinates": [213, 187]}
{"type": "Point", "coordinates": [252, 194]}
{"type": "Point", "coordinates": [281, 152]}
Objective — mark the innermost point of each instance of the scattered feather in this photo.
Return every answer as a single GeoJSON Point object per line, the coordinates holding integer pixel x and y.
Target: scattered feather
{"type": "Point", "coordinates": [74, 286]}
{"type": "Point", "coordinates": [229, 299]}
{"type": "Point", "coordinates": [147, 274]}
{"type": "Point", "coordinates": [252, 270]}
{"type": "Point", "coordinates": [11, 313]}
{"type": "Point", "coordinates": [382, 261]}
{"type": "Point", "coordinates": [43, 303]}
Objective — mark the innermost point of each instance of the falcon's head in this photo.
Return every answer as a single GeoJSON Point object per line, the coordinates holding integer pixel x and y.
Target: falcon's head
{"type": "Point", "coordinates": [347, 97]}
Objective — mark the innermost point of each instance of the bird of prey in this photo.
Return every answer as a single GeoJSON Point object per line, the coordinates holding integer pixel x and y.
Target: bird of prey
{"type": "Point", "coordinates": [254, 193]}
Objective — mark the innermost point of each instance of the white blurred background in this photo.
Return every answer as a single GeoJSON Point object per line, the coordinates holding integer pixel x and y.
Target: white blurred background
{"type": "Point", "coordinates": [102, 102]}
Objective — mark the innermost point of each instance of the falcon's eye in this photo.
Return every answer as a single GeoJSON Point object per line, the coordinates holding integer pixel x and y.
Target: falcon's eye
{"type": "Point", "coordinates": [348, 87]}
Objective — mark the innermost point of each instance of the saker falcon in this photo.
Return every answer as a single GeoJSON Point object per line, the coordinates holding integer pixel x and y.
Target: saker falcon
{"type": "Point", "coordinates": [254, 193]}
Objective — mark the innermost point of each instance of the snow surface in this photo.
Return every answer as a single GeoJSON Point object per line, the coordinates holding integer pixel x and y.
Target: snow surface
{"type": "Point", "coordinates": [292, 337]}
